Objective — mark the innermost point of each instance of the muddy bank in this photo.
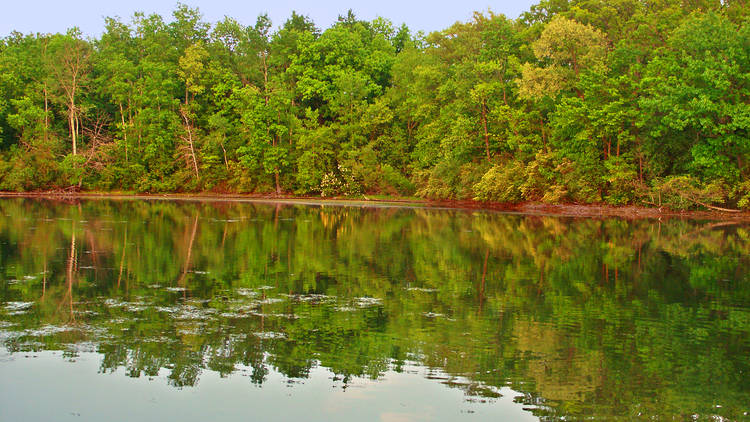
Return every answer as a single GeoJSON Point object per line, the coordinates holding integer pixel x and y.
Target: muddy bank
{"type": "Point", "coordinates": [528, 208]}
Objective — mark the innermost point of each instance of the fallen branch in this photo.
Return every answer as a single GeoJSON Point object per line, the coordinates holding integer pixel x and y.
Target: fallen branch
{"type": "Point", "coordinates": [706, 205]}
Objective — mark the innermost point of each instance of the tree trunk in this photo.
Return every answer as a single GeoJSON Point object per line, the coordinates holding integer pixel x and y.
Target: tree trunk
{"type": "Point", "coordinates": [46, 113]}
{"type": "Point", "coordinates": [189, 140]}
{"type": "Point", "coordinates": [640, 156]}
{"type": "Point", "coordinates": [72, 124]}
{"type": "Point", "coordinates": [265, 76]}
{"type": "Point", "coordinates": [124, 132]}
{"type": "Point", "coordinates": [486, 133]}
{"type": "Point", "coordinates": [192, 154]}
{"type": "Point", "coordinates": [226, 162]}
{"type": "Point", "coordinates": [739, 164]}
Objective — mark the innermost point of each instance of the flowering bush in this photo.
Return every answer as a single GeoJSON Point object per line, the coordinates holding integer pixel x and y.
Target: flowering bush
{"type": "Point", "coordinates": [341, 182]}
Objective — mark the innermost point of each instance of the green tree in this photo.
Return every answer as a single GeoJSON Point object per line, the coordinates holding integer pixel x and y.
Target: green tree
{"type": "Point", "coordinates": [696, 90]}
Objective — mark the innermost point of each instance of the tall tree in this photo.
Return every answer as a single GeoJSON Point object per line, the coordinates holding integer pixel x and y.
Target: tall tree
{"type": "Point", "coordinates": [69, 61]}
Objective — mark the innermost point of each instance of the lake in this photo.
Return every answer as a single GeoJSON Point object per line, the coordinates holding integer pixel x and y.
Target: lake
{"type": "Point", "coordinates": [224, 310]}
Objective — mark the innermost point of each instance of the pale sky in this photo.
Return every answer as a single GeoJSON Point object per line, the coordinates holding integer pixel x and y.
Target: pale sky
{"type": "Point", "coordinates": [30, 16]}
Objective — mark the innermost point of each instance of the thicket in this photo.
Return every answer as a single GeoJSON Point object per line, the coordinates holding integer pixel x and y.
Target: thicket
{"type": "Point", "coordinates": [590, 101]}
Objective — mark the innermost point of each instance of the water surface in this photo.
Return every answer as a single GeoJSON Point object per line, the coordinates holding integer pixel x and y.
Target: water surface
{"type": "Point", "coordinates": [157, 310]}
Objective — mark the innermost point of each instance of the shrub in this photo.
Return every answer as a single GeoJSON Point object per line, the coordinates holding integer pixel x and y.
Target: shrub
{"type": "Point", "coordinates": [684, 192]}
{"type": "Point", "coordinates": [622, 181]}
{"type": "Point", "coordinates": [741, 194]}
{"type": "Point", "coordinates": [395, 179]}
{"type": "Point", "coordinates": [501, 183]}
{"type": "Point", "coordinates": [342, 182]}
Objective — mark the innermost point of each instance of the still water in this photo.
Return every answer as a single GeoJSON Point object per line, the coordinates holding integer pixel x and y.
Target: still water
{"type": "Point", "coordinates": [177, 310]}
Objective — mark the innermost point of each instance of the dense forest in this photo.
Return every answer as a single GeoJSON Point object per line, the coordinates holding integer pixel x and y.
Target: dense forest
{"type": "Point", "coordinates": [590, 101]}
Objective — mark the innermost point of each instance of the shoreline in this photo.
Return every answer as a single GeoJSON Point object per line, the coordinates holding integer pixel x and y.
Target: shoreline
{"type": "Point", "coordinates": [524, 208]}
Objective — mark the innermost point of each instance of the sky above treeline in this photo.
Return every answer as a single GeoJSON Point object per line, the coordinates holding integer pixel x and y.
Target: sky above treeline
{"type": "Point", "coordinates": [31, 16]}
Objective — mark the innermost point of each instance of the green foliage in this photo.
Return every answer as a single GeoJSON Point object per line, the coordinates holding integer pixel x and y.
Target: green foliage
{"type": "Point", "coordinates": [72, 169]}
{"type": "Point", "coordinates": [696, 87]}
{"type": "Point", "coordinates": [570, 48]}
{"type": "Point", "coordinates": [450, 180]}
{"type": "Point", "coordinates": [741, 194]}
{"type": "Point", "coordinates": [392, 178]}
{"type": "Point", "coordinates": [341, 182]}
{"type": "Point", "coordinates": [622, 181]}
{"type": "Point", "coordinates": [573, 102]}
{"type": "Point", "coordinates": [502, 183]}
{"type": "Point", "coordinates": [684, 192]}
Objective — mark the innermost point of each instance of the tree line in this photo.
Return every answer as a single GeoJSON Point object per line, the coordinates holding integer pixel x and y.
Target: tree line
{"type": "Point", "coordinates": [619, 102]}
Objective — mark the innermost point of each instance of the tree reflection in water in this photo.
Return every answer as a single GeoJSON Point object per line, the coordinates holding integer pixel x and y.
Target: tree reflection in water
{"type": "Point", "coordinates": [586, 317]}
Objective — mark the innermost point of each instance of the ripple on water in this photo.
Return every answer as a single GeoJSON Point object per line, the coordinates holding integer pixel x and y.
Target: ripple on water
{"type": "Point", "coordinates": [270, 335]}
{"type": "Point", "coordinates": [234, 315]}
{"type": "Point", "coordinates": [128, 306]}
{"type": "Point", "coordinates": [48, 330]}
{"type": "Point", "coordinates": [421, 289]}
{"type": "Point", "coordinates": [246, 292]}
{"type": "Point", "coordinates": [18, 307]}
{"type": "Point", "coordinates": [273, 315]}
{"type": "Point", "coordinates": [365, 302]}
{"type": "Point", "coordinates": [311, 298]}
{"type": "Point", "coordinates": [244, 308]}
{"type": "Point", "coordinates": [187, 312]}
{"type": "Point", "coordinates": [270, 301]}
{"type": "Point", "coordinates": [345, 309]}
